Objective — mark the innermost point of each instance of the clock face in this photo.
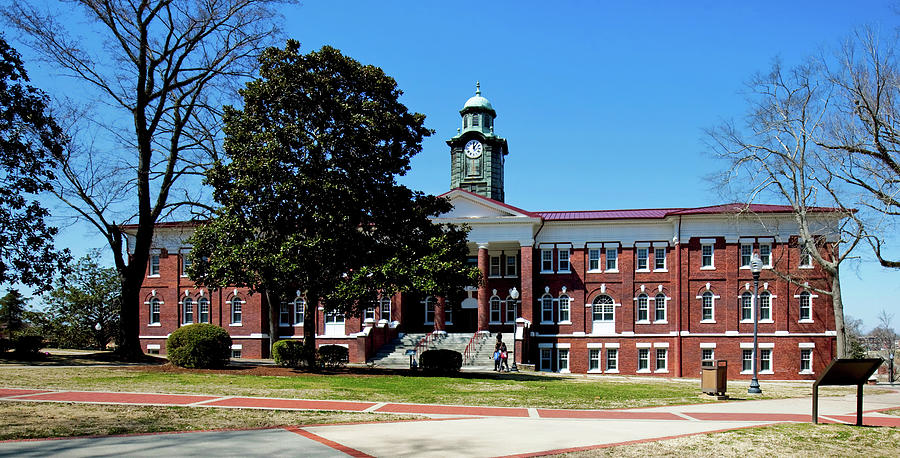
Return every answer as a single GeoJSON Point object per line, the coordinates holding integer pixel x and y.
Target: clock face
{"type": "Point", "coordinates": [473, 149]}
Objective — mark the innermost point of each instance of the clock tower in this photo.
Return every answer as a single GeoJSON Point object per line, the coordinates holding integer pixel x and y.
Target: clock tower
{"type": "Point", "coordinates": [477, 156]}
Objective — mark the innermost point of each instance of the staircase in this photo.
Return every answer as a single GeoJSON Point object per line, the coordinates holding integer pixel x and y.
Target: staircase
{"type": "Point", "coordinates": [393, 354]}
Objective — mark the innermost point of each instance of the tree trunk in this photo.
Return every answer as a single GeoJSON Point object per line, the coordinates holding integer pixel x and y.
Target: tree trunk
{"type": "Point", "coordinates": [274, 301]}
{"type": "Point", "coordinates": [838, 304]}
{"type": "Point", "coordinates": [129, 322]}
{"type": "Point", "coordinates": [309, 327]}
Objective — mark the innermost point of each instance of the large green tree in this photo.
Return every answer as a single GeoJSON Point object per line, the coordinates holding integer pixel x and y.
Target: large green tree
{"type": "Point", "coordinates": [309, 197]}
{"type": "Point", "coordinates": [30, 144]}
{"type": "Point", "coordinates": [84, 309]}
{"type": "Point", "coordinates": [13, 311]}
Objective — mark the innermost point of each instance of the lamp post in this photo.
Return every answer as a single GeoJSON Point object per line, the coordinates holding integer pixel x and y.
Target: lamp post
{"type": "Point", "coordinates": [891, 366]}
{"type": "Point", "coordinates": [99, 337]}
{"type": "Point", "coordinates": [514, 294]}
{"type": "Point", "coordinates": [755, 267]}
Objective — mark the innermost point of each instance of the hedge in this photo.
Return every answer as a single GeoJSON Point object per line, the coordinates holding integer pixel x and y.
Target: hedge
{"type": "Point", "coordinates": [199, 346]}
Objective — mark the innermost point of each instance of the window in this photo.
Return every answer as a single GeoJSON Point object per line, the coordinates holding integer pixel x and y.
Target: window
{"type": "Point", "coordinates": [154, 265]}
{"type": "Point", "coordinates": [546, 309]}
{"type": "Point", "coordinates": [284, 314]}
{"type": "Point", "coordinates": [660, 307]}
{"type": "Point", "coordinates": [448, 313]}
{"type": "Point", "coordinates": [564, 308]}
{"type": "Point", "coordinates": [299, 306]}
{"type": "Point", "coordinates": [369, 313]}
{"type": "Point", "coordinates": [805, 307]}
{"type": "Point", "coordinates": [429, 310]}
{"type": "Point", "coordinates": [474, 166]}
{"type": "Point", "coordinates": [661, 358]}
{"type": "Point", "coordinates": [511, 310]}
{"type": "Point", "coordinates": [707, 306]}
{"type": "Point", "coordinates": [765, 360]}
{"type": "Point", "coordinates": [152, 350]}
{"type": "Point", "coordinates": [604, 309]}
{"type": "Point", "coordinates": [154, 310]}
{"type": "Point", "coordinates": [495, 266]}
{"type": "Point", "coordinates": [659, 259]}
{"type": "Point", "coordinates": [563, 359]}
{"type": "Point", "coordinates": [643, 308]}
{"type": "Point", "coordinates": [236, 304]}
{"type": "Point", "coordinates": [546, 359]}
{"type": "Point", "coordinates": [805, 257]}
{"type": "Point", "coordinates": [188, 307]}
{"type": "Point", "coordinates": [765, 254]}
{"type": "Point", "coordinates": [593, 259]}
{"type": "Point", "coordinates": [643, 359]}
{"type": "Point", "coordinates": [806, 360]}
{"type": "Point", "coordinates": [612, 259]}
{"type": "Point", "coordinates": [746, 255]}
{"type": "Point", "coordinates": [612, 359]}
{"type": "Point", "coordinates": [474, 120]}
{"type": "Point", "coordinates": [236, 353]}
{"type": "Point", "coordinates": [563, 254]}
{"type": "Point", "coordinates": [642, 259]}
{"type": "Point", "coordinates": [765, 306]}
{"type": "Point", "coordinates": [706, 258]}
{"type": "Point", "coordinates": [384, 308]}
{"type": "Point", "coordinates": [747, 361]}
{"type": "Point", "coordinates": [746, 307]}
{"type": "Point", "coordinates": [546, 260]}
{"type": "Point", "coordinates": [465, 122]}
{"type": "Point", "coordinates": [594, 359]}
{"type": "Point", "coordinates": [707, 354]}
{"type": "Point", "coordinates": [185, 263]}
{"type": "Point", "coordinates": [203, 305]}
{"type": "Point", "coordinates": [495, 309]}
{"type": "Point", "coordinates": [512, 266]}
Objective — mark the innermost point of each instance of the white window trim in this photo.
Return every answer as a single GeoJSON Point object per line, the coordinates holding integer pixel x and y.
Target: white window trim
{"type": "Point", "coordinates": [615, 269]}
{"type": "Point", "coordinates": [600, 265]}
{"type": "Point", "coordinates": [541, 308]}
{"type": "Point", "coordinates": [771, 360]}
{"type": "Point", "coordinates": [741, 255]}
{"type": "Point", "coordinates": [500, 266]}
{"type": "Point", "coordinates": [505, 266]}
{"type": "Point", "coordinates": [712, 256]}
{"type": "Point", "coordinates": [664, 370]}
{"type": "Point", "coordinates": [637, 309]}
{"type": "Point", "coordinates": [559, 268]}
{"type": "Point", "coordinates": [568, 359]}
{"type": "Point", "coordinates": [811, 297]}
{"type": "Point", "coordinates": [713, 320]}
{"type": "Point", "coordinates": [771, 254]}
{"type": "Point", "coordinates": [153, 346]}
{"type": "Point", "coordinates": [425, 303]}
{"type": "Point", "coordinates": [646, 259]}
{"type": "Point", "coordinates": [550, 250]}
{"type": "Point", "coordinates": [665, 267]}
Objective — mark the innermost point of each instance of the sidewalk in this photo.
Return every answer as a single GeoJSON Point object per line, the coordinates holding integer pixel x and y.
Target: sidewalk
{"type": "Point", "coordinates": [467, 431]}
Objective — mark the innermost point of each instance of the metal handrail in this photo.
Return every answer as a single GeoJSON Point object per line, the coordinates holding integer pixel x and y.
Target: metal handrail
{"type": "Point", "coordinates": [467, 353]}
{"type": "Point", "coordinates": [422, 344]}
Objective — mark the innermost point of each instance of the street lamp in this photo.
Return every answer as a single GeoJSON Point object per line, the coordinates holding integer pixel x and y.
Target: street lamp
{"type": "Point", "coordinates": [891, 372]}
{"type": "Point", "coordinates": [514, 294]}
{"type": "Point", "coordinates": [755, 267]}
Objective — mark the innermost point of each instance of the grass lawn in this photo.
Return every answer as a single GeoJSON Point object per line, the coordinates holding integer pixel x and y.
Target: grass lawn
{"type": "Point", "coordinates": [783, 440]}
{"type": "Point", "coordinates": [522, 389]}
{"type": "Point", "coordinates": [25, 420]}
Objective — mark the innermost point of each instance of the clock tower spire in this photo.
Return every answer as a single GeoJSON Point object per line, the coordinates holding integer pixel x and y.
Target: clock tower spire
{"type": "Point", "coordinates": [477, 156]}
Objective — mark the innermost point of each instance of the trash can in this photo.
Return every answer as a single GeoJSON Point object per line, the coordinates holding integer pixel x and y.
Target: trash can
{"type": "Point", "coordinates": [714, 377]}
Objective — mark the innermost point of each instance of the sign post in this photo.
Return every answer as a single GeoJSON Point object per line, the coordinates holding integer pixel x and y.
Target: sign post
{"type": "Point", "coordinates": [842, 372]}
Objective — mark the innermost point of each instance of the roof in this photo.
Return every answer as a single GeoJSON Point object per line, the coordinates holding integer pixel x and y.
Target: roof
{"type": "Point", "coordinates": [477, 101]}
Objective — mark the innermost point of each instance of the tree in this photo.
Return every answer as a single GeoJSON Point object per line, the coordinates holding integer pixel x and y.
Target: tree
{"type": "Point", "coordinates": [309, 198]}
{"type": "Point", "coordinates": [13, 308]}
{"type": "Point", "coordinates": [88, 296]}
{"type": "Point", "coordinates": [777, 154]}
{"type": "Point", "coordinates": [30, 142]}
{"type": "Point", "coordinates": [885, 336]}
{"type": "Point", "coordinates": [160, 73]}
{"type": "Point", "coordinates": [855, 346]}
{"type": "Point", "coordinates": [864, 136]}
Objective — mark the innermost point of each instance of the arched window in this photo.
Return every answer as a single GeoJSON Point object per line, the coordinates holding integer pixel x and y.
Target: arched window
{"type": "Point", "coordinates": [473, 166]}
{"type": "Point", "coordinates": [188, 307]}
{"type": "Point", "coordinates": [805, 306]}
{"type": "Point", "coordinates": [495, 309]}
{"type": "Point", "coordinates": [707, 313]}
{"type": "Point", "coordinates": [564, 308]}
{"type": "Point", "coordinates": [236, 306]}
{"type": "Point", "coordinates": [154, 310]}
{"type": "Point", "coordinates": [643, 308]}
{"type": "Point", "coordinates": [203, 305]}
{"type": "Point", "coordinates": [384, 306]}
{"type": "Point", "coordinates": [765, 306]}
{"type": "Point", "coordinates": [474, 120]}
{"type": "Point", "coordinates": [299, 309]}
{"type": "Point", "coordinates": [604, 309]}
{"type": "Point", "coordinates": [429, 310]}
{"type": "Point", "coordinates": [546, 308]}
{"type": "Point", "coordinates": [746, 307]}
{"type": "Point", "coordinates": [660, 307]}
{"type": "Point", "coordinates": [284, 313]}
{"type": "Point", "coordinates": [512, 311]}
{"type": "Point", "coordinates": [465, 122]}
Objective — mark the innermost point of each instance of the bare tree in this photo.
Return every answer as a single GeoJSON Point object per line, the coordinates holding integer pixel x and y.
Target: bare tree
{"type": "Point", "coordinates": [885, 337]}
{"type": "Point", "coordinates": [160, 69]}
{"type": "Point", "coordinates": [864, 136]}
{"type": "Point", "coordinates": [776, 155]}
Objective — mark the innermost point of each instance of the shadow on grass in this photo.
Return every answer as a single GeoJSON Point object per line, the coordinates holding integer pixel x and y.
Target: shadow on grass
{"type": "Point", "coordinates": [378, 371]}
{"type": "Point", "coordinates": [99, 358]}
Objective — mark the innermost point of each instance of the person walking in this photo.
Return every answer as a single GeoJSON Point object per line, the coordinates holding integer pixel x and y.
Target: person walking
{"type": "Point", "coordinates": [497, 360]}
{"type": "Point", "coordinates": [504, 357]}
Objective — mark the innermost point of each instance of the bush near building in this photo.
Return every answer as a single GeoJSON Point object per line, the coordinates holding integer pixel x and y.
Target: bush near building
{"type": "Point", "coordinates": [199, 346]}
{"type": "Point", "coordinates": [442, 360]}
{"type": "Point", "coordinates": [333, 355]}
{"type": "Point", "coordinates": [289, 353]}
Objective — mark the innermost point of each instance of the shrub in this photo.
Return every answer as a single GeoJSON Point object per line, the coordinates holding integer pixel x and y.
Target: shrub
{"type": "Point", "coordinates": [333, 355]}
{"type": "Point", "coordinates": [28, 346]}
{"type": "Point", "coordinates": [200, 345]}
{"type": "Point", "coordinates": [289, 353]}
{"type": "Point", "coordinates": [442, 360]}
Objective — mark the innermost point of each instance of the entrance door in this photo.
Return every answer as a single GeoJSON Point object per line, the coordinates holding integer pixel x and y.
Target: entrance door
{"type": "Point", "coordinates": [334, 324]}
{"type": "Point", "coordinates": [604, 321]}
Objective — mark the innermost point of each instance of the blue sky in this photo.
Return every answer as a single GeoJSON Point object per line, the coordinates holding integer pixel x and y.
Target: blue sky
{"type": "Point", "coordinates": [603, 103]}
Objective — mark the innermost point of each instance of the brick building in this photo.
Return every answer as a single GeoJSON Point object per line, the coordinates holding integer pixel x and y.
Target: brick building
{"type": "Point", "coordinates": [651, 291]}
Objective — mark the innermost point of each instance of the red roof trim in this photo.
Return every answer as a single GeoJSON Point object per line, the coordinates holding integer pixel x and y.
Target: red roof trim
{"type": "Point", "coordinates": [492, 201]}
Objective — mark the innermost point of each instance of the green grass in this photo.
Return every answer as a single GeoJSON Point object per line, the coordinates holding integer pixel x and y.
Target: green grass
{"type": "Point", "coordinates": [526, 389]}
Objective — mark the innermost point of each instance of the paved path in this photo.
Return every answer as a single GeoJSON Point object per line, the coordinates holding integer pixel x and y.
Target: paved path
{"type": "Point", "coordinates": [451, 431]}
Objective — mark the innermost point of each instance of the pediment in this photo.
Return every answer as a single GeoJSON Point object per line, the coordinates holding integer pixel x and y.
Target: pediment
{"type": "Point", "coordinates": [467, 205]}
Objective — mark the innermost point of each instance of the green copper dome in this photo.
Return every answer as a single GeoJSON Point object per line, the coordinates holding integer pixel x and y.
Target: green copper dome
{"type": "Point", "coordinates": [477, 101]}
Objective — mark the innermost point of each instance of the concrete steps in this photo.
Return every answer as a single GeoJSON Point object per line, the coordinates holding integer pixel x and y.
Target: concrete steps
{"type": "Point", "coordinates": [393, 354]}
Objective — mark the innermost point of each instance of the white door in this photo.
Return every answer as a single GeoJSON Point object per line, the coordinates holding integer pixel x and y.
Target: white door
{"type": "Point", "coordinates": [334, 324]}
{"type": "Point", "coordinates": [604, 316]}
